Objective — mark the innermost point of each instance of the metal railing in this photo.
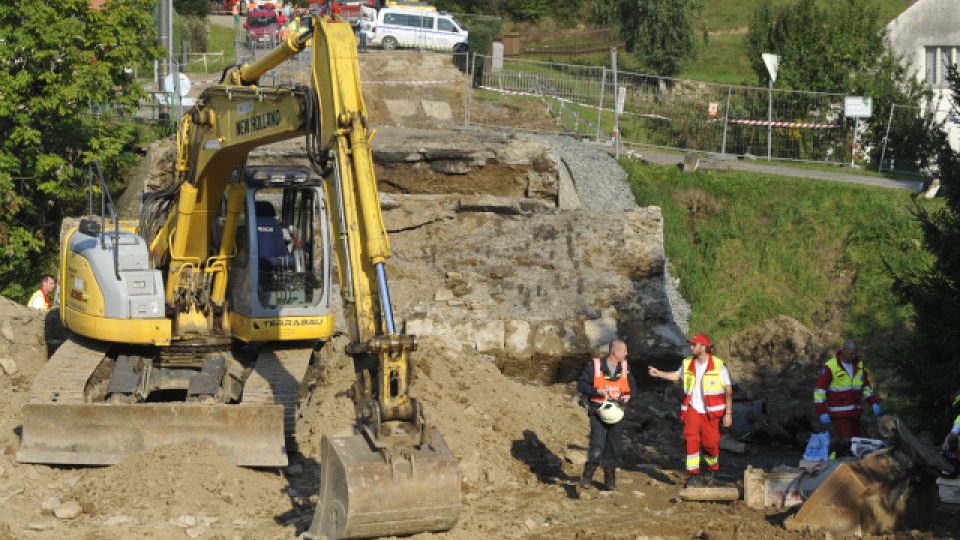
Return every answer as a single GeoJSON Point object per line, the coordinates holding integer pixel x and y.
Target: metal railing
{"type": "Point", "coordinates": [106, 204]}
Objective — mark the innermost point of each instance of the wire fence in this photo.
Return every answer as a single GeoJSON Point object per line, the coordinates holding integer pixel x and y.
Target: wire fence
{"type": "Point", "coordinates": [675, 113]}
{"type": "Point", "coordinates": [432, 89]}
{"type": "Point", "coordinates": [906, 147]}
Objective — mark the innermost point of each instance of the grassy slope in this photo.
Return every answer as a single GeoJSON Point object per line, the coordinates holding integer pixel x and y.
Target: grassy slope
{"type": "Point", "coordinates": [723, 57]}
{"type": "Point", "coordinates": [748, 247]}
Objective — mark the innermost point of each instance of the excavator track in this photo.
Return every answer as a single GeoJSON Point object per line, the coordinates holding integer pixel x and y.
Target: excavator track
{"type": "Point", "coordinates": [61, 427]}
{"type": "Point", "coordinates": [276, 378]}
{"type": "Point", "coordinates": [64, 377]}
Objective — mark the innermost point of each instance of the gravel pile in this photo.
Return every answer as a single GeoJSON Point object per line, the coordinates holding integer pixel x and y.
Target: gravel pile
{"type": "Point", "coordinates": [601, 185]}
{"type": "Point", "coordinates": [600, 182]}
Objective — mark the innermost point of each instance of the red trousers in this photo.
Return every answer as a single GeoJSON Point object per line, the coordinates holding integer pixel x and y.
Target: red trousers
{"type": "Point", "coordinates": [701, 430]}
{"type": "Point", "coordinates": [846, 427]}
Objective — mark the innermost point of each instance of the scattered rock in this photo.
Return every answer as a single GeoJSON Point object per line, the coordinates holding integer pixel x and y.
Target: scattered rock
{"type": "Point", "coordinates": [186, 521]}
{"type": "Point", "coordinates": [49, 505]}
{"type": "Point", "coordinates": [7, 331]}
{"type": "Point", "coordinates": [38, 526]}
{"type": "Point", "coordinates": [117, 520]}
{"type": "Point", "coordinates": [6, 363]}
{"type": "Point", "coordinates": [68, 510]}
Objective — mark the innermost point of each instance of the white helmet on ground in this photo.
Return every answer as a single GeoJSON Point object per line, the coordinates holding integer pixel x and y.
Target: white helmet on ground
{"type": "Point", "coordinates": [610, 412]}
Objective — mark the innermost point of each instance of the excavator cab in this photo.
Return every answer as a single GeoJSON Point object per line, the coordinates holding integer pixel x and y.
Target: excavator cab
{"type": "Point", "coordinates": [281, 270]}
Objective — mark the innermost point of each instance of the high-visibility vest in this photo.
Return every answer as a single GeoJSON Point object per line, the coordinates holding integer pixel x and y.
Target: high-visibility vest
{"type": "Point", "coordinates": [40, 300]}
{"type": "Point", "coordinates": [844, 394]}
{"type": "Point", "coordinates": [618, 386]}
{"type": "Point", "coordinates": [714, 394]}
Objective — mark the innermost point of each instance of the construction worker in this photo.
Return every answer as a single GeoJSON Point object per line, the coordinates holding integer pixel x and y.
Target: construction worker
{"type": "Point", "coordinates": [42, 299]}
{"type": "Point", "coordinates": [841, 385]}
{"type": "Point", "coordinates": [607, 384]}
{"type": "Point", "coordinates": [708, 400]}
{"type": "Point", "coordinates": [950, 441]}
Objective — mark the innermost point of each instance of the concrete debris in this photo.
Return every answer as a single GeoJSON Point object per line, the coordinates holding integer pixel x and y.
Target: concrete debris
{"type": "Point", "coordinates": [68, 510]}
{"type": "Point", "coordinates": [49, 505]}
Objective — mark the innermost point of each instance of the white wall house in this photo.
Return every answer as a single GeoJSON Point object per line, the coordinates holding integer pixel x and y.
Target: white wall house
{"type": "Point", "coordinates": [927, 36]}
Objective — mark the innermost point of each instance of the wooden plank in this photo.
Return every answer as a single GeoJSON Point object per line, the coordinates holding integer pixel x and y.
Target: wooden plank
{"type": "Point", "coordinates": [710, 494]}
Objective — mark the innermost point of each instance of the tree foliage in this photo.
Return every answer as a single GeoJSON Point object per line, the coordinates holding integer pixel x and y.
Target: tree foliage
{"type": "Point", "coordinates": [62, 71]}
{"type": "Point", "coordinates": [192, 8]}
{"type": "Point", "coordinates": [930, 367]}
{"type": "Point", "coordinates": [662, 33]}
{"type": "Point", "coordinates": [835, 47]}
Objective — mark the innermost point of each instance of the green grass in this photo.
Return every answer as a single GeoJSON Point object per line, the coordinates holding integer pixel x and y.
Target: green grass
{"type": "Point", "coordinates": [736, 14]}
{"type": "Point", "coordinates": [749, 247]}
{"type": "Point", "coordinates": [722, 59]}
{"type": "Point", "coordinates": [221, 39]}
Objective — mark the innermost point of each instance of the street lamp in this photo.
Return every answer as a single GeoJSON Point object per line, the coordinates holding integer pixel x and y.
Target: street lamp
{"type": "Point", "coordinates": [772, 62]}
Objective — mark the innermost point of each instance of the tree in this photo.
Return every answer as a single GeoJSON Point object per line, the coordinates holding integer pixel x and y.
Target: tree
{"type": "Point", "coordinates": [63, 75]}
{"type": "Point", "coordinates": [840, 47]}
{"type": "Point", "coordinates": [661, 32]}
{"type": "Point", "coordinates": [930, 367]}
{"type": "Point", "coordinates": [192, 8]}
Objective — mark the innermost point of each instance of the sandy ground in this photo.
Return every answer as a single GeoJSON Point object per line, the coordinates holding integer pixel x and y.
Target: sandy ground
{"type": "Point", "coordinates": [515, 442]}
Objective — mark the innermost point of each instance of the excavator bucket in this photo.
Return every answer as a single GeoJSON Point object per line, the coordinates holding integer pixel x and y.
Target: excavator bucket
{"type": "Point", "coordinates": [104, 434]}
{"type": "Point", "coordinates": [885, 491]}
{"type": "Point", "coordinates": [364, 493]}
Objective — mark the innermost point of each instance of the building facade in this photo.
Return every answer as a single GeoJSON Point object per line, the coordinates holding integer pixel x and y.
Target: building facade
{"type": "Point", "coordinates": [927, 37]}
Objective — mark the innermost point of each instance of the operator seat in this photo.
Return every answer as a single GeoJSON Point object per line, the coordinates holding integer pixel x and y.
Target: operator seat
{"type": "Point", "coordinates": [273, 250]}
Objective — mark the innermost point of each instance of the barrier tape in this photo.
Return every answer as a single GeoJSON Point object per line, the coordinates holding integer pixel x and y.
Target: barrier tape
{"type": "Point", "coordinates": [780, 124]}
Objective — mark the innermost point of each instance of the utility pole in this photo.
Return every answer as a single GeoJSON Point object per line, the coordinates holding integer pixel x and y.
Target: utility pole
{"type": "Point", "coordinates": [165, 40]}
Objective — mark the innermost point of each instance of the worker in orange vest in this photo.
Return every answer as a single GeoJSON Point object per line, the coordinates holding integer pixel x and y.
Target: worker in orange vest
{"type": "Point", "coordinates": [608, 385]}
{"type": "Point", "coordinates": [708, 400]}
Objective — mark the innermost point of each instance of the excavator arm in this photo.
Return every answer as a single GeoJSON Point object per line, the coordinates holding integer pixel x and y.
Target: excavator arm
{"type": "Point", "coordinates": [397, 476]}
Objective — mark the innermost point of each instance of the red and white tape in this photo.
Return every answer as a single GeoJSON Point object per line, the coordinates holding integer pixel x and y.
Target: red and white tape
{"type": "Point", "coordinates": [781, 124]}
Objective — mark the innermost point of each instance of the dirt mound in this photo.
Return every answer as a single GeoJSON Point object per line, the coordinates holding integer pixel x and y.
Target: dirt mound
{"type": "Point", "coordinates": [171, 480]}
{"type": "Point", "coordinates": [21, 344]}
{"type": "Point", "coordinates": [765, 349]}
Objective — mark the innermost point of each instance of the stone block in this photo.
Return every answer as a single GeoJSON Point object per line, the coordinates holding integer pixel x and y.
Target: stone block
{"type": "Point", "coordinates": [600, 331]}
{"type": "Point", "coordinates": [517, 338]}
{"type": "Point", "coordinates": [489, 336]}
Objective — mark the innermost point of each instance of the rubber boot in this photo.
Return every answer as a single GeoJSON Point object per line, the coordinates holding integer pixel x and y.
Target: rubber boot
{"type": "Point", "coordinates": [609, 479]}
{"type": "Point", "coordinates": [586, 479]}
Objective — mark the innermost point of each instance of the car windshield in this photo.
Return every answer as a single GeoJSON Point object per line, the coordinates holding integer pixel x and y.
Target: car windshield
{"type": "Point", "coordinates": [263, 20]}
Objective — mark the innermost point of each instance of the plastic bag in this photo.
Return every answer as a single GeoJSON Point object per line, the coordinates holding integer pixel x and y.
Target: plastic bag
{"type": "Point", "coordinates": [818, 447]}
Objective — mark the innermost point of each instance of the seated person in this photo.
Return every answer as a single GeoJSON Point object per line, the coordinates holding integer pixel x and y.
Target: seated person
{"type": "Point", "coordinates": [273, 250]}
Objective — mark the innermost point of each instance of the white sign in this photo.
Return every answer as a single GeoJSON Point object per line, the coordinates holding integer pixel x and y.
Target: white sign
{"type": "Point", "coordinates": [713, 108]}
{"type": "Point", "coordinates": [621, 98]}
{"type": "Point", "coordinates": [772, 62]}
{"type": "Point", "coordinates": [497, 51]}
{"type": "Point", "coordinates": [857, 107]}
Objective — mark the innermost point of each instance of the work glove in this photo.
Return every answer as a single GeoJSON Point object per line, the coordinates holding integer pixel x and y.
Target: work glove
{"type": "Point", "coordinates": [876, 409]}
{"type": "Point", "coordinates": [824, 418]}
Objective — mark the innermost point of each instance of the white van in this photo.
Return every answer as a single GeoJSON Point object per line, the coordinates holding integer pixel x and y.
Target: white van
{"type": "Point", "coordinates": [417, 28]}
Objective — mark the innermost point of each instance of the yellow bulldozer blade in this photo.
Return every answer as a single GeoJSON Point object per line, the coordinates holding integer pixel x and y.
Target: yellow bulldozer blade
{"type": "Point", "coordinates": [366, 493]}
{"type": "Point", "coordinates": [105, 433]}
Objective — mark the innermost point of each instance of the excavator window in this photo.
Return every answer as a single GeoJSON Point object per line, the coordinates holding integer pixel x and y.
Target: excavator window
{"type": "Point", "coordinates": [290, 273]}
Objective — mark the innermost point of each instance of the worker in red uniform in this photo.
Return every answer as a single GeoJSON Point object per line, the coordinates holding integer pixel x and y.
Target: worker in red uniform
{"type": "Point", "coordinates": [842, 384]}
{"type": "Point", "coordinates": [708, 400]}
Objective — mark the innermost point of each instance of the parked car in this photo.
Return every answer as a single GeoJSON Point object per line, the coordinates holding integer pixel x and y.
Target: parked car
{"type": "Point", "coordinates": [262, 28]}
{"type": "Point", "coordinates": [419, 29]}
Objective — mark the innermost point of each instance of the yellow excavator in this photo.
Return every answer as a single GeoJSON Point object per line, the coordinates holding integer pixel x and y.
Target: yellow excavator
{"type": "Point", "coordinates": [199, 321]}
